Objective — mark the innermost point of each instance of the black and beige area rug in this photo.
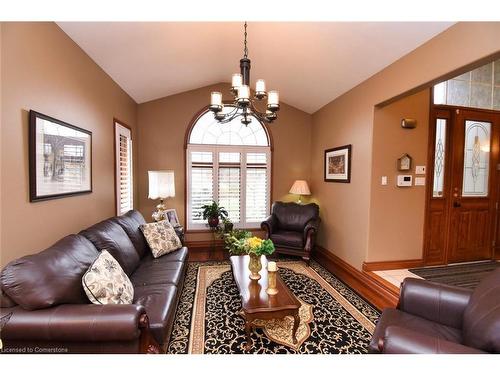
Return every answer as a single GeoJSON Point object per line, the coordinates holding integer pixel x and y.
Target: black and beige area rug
{"type": "Point", "coordinates": [465, 275]}
{"type": "Point", "coordinates": [334, 319]}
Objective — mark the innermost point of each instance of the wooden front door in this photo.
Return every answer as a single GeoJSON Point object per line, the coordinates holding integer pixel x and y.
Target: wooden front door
{"type": "Point", "coordinates": [462, 215]}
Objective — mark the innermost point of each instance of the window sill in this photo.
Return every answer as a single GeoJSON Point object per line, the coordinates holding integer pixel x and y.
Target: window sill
{"type": "Point", "coordinates": [210, 231]}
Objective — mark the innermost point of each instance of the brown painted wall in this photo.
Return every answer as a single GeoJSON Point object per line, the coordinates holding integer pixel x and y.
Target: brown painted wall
{"type": "Point", "coordinates": [162, 126]}
{"type": "Point", "coordinates": [397, 213]}
{"type": "Point", "coordinates": [345, 208]}
{"type": "Point", "coordinates": [44, 70]}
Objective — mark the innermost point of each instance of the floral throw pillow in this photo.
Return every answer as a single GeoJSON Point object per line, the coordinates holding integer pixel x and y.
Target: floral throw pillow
{"type": "Point", "coordinates": [105, 282]}
{"type": "Point", "coordinates": [161, 237]}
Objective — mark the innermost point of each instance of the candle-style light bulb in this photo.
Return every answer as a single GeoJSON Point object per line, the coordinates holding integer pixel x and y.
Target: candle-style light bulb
{"type": "Point", "coordinates": [237, 80]}
{"type": "Point", "coordinates": [243, 92]}
{"type": "Point", "coordinates": [260, 86]}
{"type": "Point", "coordinates": [216, 98]}
{"type": "Point", "coordinates": [273, 97]}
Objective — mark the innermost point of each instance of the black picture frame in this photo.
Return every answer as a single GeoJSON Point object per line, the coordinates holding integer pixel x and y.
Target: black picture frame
{"type": "Point", "coordinates": [74, 160]}
{"type": "Point", "coordinates": [338, 157]}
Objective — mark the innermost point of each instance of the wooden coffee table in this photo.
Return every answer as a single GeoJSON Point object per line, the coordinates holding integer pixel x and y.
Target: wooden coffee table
{"type": "Point", "coordinates": [256, 303]}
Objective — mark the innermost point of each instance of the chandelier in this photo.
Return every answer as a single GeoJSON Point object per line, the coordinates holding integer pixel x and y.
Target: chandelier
{"type": "Point", "coordinates": [243, 104]}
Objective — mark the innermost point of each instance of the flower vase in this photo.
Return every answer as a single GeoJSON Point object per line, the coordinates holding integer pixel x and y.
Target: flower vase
{"type": "Point", "coordinates": [254, 266]}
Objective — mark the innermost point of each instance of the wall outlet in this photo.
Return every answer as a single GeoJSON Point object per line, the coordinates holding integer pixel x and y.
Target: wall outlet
{"type": "Point", "coordinates": [420, 169]}
{"type": "Point", "coordinates": [384, 180]}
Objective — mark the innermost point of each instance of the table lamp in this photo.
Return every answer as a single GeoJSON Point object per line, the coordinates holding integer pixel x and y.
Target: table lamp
{"type": "Point", "coordinates": [161, 186]}
{"type": "Point", "coordinates": [300, 188]}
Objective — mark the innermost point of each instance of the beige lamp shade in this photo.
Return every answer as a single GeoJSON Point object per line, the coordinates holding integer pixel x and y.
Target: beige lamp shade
{"type": "Point", "coordinates": [161, 184]}
{"type": "Point", "coordinates": [300, 187]}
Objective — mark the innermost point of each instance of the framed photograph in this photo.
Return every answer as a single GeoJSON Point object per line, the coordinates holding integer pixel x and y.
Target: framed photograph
{"type": "Point", "coordinates": [171, 216]}
{"type": "Point", "coordinates": [338, 164]}
{"type": "Point", "coordinates": [60, 158]}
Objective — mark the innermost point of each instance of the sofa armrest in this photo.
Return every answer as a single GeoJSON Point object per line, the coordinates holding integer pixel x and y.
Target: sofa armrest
{"type": "Point", "coordinates": [439, 303]}
{"type": "Point", "coordinates": [93, 323]}
{"type": "Point", "coordinates": [398, 340]}
{"type": "Point", "coordinates": [311, 226]}
{"type": "Point", "coordinates": [270, 225]}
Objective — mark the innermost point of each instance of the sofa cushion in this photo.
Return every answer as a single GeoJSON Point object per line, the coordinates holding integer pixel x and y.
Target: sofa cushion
{"type": "Point", "coordinates": [288, 238]}
{"type": "Point", "coordinates": [51, 277]}
{"type": "Point", "coordinates": [175, 256]}
{"type": "Point", "coordinates": [481, 324]}
{"type": "Point", "coordinates": [160, 304]}
{"type": "Point", "coordinates": [161, 238]}
{"type": "Point", "coordinates": [130, 223]}
{"type": "Point", "coordinates": [394, 317]}
{"type": "Point", "coordinates": [151, 273]}
{"type": "Point", "coordinates": [294, 217]}
{"type": "Point", "coordinates": [108, 235]}
{"type": "Point", "coordinates": [105, 282]}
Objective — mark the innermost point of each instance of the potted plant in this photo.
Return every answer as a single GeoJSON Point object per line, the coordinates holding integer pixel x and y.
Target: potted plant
{"type": "Point", "coordinates": [212, 212]}
{"type": "Point", "coordinates": [227, 225]}
{"type": "Point", "coordinates": [234, 241]}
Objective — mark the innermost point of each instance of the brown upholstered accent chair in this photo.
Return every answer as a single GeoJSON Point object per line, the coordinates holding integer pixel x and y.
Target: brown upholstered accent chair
{"type": "Point", "coordinates": [292, 227]}
{"type": "Point", "coordinates": [437, 318]}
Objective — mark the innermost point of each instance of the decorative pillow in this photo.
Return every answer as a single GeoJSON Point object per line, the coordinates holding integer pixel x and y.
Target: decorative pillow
{"type": "Point", "coordinates": [161, 237]}
{"type": "Point", "coordinates": [105, 282]}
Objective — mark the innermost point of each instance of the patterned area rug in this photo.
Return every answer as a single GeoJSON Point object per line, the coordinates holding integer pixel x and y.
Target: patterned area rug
{"type": "Point", "coordinates": [334, 319]}
{"type": "Point", "coordinates": [464, 275]}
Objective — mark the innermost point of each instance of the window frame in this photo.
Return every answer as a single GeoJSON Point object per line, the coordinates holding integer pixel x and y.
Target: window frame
{"type": "Point", "coordinates": [121, 128]}
{"type": "Point", "coordinates": [243, 151]}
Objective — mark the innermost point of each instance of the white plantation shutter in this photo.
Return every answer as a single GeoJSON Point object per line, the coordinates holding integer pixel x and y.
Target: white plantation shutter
{"type": "Point", "coordinates": [124, 171]}
{"type": "Point", "coordinates": [256, 188]}
{"type": "Point", "coordinates": [201, 183]}
{"type": "Point", "coordinates": [231, 164]}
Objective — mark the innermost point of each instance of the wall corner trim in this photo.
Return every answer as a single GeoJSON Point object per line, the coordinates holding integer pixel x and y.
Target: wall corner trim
{"type": "Point", "coordinates": [378, 293]}
{"type": "Point", "coordinates": [392, 265]}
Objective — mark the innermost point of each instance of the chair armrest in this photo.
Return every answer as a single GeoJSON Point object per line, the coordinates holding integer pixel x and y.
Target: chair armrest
{"type": "Point", "coordinates": [439, 303]}
{"type": "Point", "coordinates": [398, 340]}
{"type": "Point", "coordinates": [80, 323]}
{"type": "Point", "coordinates": [311, 226]}
{"type": "Point", "coordinates": [270, 225]}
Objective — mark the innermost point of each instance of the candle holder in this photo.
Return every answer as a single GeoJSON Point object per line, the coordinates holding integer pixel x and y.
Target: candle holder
{"type": "Point", "coordinates": [271, 287]}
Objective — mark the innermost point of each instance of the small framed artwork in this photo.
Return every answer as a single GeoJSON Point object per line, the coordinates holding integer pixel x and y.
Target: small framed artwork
{"type": "Point", "coordinates": [338, 164]}
{"type": "Point", "coordinates": [171, 216]}
{"type": "Point", "coordinates": [404, 163]}
{"type": "Point", "coordinates": [60, 158]}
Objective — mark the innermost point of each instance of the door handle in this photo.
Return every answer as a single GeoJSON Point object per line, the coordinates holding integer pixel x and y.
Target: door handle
{"type": "Point", "coordinates": [457, 204]}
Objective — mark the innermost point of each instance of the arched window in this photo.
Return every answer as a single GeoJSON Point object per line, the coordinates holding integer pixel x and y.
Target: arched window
{"type": "Point", "coordinates": [231, 164]}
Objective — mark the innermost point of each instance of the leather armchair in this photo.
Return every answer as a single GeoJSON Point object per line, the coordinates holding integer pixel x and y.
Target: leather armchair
{"type": "Point", "coordinates": [292, 227]}
{"type": "Point", "coordinates": [436, 318]}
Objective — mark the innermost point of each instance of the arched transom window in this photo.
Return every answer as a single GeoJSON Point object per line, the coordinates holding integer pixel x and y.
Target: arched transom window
{"type": "Point", "coordinates": [231, 164]}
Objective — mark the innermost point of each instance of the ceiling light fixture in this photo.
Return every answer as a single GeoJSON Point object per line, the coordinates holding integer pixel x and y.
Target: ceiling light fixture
{"type": "Point", "coordinates": [244, 105]}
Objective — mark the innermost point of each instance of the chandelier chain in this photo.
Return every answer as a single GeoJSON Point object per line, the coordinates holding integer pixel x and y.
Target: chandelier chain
{"type": "Point", "coordinates": [245, 50]}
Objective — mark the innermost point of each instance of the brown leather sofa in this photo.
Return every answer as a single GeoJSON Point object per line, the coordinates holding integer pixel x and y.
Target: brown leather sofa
{"type": "Point", "coordinates": [435, 318]}
{"type": "Point", "coordinates": [292, 227]}
{"type": "Point", "coordinates": [52, 314]}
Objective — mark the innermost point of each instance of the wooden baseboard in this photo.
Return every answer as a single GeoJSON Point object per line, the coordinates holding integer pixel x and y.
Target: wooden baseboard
{"type": "Point", "coordinates": [392, 265]}
{"type": "Point", "coordinates": [379, 293]}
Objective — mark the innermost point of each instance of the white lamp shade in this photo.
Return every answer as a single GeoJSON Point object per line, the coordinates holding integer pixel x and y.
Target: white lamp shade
{"type": "Point", "coordinates": [161, 184]}
{"type": "Point", "coordinates": [300, 187]}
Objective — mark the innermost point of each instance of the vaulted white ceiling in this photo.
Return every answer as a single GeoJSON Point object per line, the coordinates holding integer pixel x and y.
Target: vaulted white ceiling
{"type": "Point", "coordinates": [310, 63]}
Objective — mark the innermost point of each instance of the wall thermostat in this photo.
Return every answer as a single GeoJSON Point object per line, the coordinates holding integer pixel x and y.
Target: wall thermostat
{"type": "Point", "coordinates": [404, 180]}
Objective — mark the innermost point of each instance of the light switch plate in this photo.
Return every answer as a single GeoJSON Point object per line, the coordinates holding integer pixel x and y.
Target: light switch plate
{"type": "Point", "coordinates": [419, 181]}
{"type": "Point", "coordinates": [420, 169]}
{"type": "Point", "coordinates": [384, 180]}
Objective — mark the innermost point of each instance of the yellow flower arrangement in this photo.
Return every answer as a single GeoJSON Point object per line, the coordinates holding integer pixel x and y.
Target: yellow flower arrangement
{"type": "Point", "coordinates": [258, 246]}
